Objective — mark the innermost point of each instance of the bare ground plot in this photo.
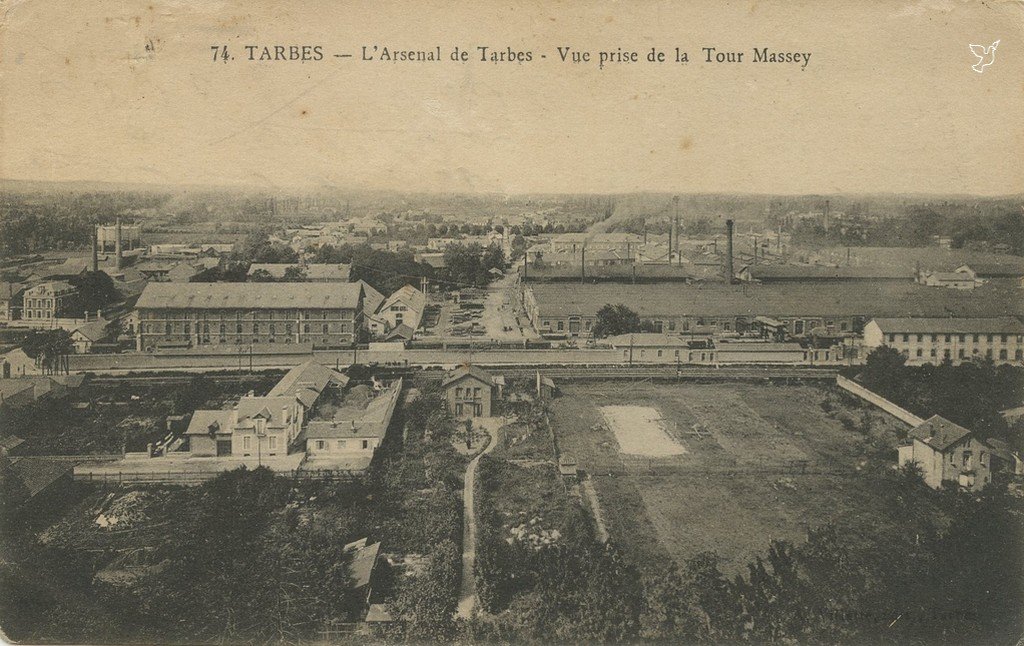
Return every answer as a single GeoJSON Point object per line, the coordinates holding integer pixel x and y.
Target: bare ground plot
{"type": "Point", "coordinates": [762, 462]}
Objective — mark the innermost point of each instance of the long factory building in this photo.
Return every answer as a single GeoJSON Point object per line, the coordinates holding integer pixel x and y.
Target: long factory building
{"type": "Point", "coordinates": [570, 310]}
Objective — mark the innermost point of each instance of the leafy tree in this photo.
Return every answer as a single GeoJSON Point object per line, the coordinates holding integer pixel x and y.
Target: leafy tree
{"type": "Point", "coordinates": [50, 349]}
{"type": "Point", "coordinates": [95, 292]}
{"type": "Point", "coordinates": [617, 319]}
{"type": "Point", "coordinates": [294, 274]}
{"type": "Point", "coordinates": [884, 371]}
{"type": "Point", "coordinates": [261, 276]}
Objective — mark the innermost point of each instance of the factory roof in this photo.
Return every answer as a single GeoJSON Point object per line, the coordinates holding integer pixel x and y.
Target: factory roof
{"type": "Point", "coordinates": [822, 272]}
{"type": "Point", "coordinates": [863, 298]}
{"type": "Point", "coordinates": [941, 325]}
{"type": "Point", "coordinates": [250, 296]}
{"type": "Point", "coordinates": [354, 421]}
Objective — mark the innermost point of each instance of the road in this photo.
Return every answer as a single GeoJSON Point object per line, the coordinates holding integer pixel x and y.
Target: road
{"type": "Point", "coordinates": [467, 591]}
{"type": "Point", "coordinates": [501, 315]}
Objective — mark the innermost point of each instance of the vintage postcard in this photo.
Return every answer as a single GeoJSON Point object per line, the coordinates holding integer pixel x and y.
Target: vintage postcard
{"type": "Point", "coordinates": [595, 322]}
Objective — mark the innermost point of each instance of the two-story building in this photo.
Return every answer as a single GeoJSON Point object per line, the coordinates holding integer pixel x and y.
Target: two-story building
{"type": "Point", "coordinates": [263, 426]}
{"type": "Point", "coordinates": [48, 301]}
{"type": "Point", "coordinates": [469, 391]}
{"type": "Point", "coordinates": [404, 307]}
{"type": "Point", "coordinates": [933, 340]}
{"type": "Point", "coordinates": [199, 314]}
{"type": "Point", "coordinates": [947, 452]}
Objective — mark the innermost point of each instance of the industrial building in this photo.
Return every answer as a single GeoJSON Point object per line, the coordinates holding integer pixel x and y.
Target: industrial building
{"type": "Point", "coordinates": [565, 310]}
{"type": "Point", "coordinates": [933, 340]}
{"type": "Point", "coordinates": [180, 315]}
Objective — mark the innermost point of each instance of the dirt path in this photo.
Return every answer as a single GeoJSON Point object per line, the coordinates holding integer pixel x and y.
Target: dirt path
{"type": "Point", "coordinates": [467, 591]}
{"type": "Point", "coordinates": [595, 506]}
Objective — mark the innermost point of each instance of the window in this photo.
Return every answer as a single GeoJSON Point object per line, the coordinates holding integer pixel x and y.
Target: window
{"type": "Point", "coordinates": [948, 338]}
{"type": "Point", "coordinates": [946, 353]}
{"type": "Point", "coordinates": [366, 444]}
{"type": "Point", "coordinates": [167, 329]}
{"type": "Point", "coordinates": [1002, 338]}
{"type": "Point", "coordinates": [967, 458]}
{"type": "Point", "coordinates": [476, 392]}
{"type": "Point", "coordinates": [920, 352]}
{"type": "Point", "coordinates": [1002, 354]}
{"type": "Point", "coordinates": [659, 353]}
{"type": "Point", "coordinates": [963, 337]}
{"type": "Point", "coordinates": [458, 391]}
{"type": "Point", "coordinates": [561, 325]}
{"type": "Point", "coordinates": [223, 331]}
{"type": "Point", "coordinates": [975, 338]}
{"type": "Point", "coordinates": [990, 338]}
{"type": "Point", "coordinates": [246, 443]}
{"type": "Point", "coordinates": [305, 328]}
{"type": "Point", "coordinates": [1018, 355]}
{"type": "Point", "coordinates": [238, 328]}
{"type": "Point", "coordinates": [906, 338]}
{"type": "Point", "coordinates": [273, 329]}
{"type": "Point", "coordinates": [920, 338]}
{"type": "Point", "coordinates": [892, 338]}
{"type": "Point", "coordinates": [932, 352]}
{"type": "Point", "coordinates": [255, 328]}
{"type": "Point", "coordinates": [321, 445]}
{"type": "Point", "coordinates": [272, 442]}
{"type": "Point", "coordinates": [960, 354]}
{"type": "Point", "coordinates": [326, 329]}
{"type": "Point", "coordinates": [188, 328]}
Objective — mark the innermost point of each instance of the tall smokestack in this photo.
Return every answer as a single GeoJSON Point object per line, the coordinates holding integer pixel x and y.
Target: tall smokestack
{"type": "Point", "coordinates": [673, 238]}
{"type": "Point", "coordinates": [117, 243]}
{"type": "Point", "coordinates": [95, 252]}
{"type": "Point", "coordinates": [729, 273]}
{"type": "Point", "coordinates": [826, 216]}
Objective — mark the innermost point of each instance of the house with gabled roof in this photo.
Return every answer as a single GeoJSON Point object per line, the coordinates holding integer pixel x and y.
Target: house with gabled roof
{"type": "Point", "coordinates": [948, 452]}
{"type": "Point", "coordinates": [469, 391]}
{"type": "Point", "coordinates": [263, 426]}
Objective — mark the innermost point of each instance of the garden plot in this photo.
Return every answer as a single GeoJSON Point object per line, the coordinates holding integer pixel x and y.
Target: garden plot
{"type": "Point", "coordinates": [640, 430]}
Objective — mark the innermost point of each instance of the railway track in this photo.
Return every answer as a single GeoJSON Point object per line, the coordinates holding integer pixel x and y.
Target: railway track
{"type": "Point", "coordinates": [564, 372]}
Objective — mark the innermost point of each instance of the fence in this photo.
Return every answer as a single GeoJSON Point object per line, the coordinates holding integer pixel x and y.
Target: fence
{"type": "Point", "coordinates": [898, 412]}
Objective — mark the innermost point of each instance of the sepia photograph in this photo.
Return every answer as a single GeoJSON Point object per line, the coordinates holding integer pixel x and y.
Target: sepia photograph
{"type": "Point", "coordinates": [521, 322]}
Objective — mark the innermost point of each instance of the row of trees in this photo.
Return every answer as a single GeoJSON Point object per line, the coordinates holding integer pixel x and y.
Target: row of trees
{"type": "Point", "coordinates": [971, 394]}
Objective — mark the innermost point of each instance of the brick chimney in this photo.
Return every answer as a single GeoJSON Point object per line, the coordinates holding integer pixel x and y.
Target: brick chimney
{"type": "Point", "coordinates": [118, 252]}
{"type": "Point", "coordinates": [730, 274]}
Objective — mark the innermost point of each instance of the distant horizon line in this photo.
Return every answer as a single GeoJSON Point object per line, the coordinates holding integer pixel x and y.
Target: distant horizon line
{"type": "Point", "coordinates": [251, 188]}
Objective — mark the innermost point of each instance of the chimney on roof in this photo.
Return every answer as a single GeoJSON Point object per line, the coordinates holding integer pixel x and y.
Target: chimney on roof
{"type": "Point", "coordinates": [730, 275]}
{"type": "Point", "coordinates": [117, 243]}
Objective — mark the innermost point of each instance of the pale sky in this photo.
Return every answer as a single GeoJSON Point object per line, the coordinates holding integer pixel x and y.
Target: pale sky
{"type": "Point", "coordinates": [888, 102]}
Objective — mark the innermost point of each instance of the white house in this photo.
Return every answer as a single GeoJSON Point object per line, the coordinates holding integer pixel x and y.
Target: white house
{"type": "Point", "coordinates": [947, 452]}
{"type": "Point", "coordinates": [404, 307]}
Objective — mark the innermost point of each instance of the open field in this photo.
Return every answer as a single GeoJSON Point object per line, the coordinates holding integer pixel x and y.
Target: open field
{"type": "Point", "coordinates": [761, 462]}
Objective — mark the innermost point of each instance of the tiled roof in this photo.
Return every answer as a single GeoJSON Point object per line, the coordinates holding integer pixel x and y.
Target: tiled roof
{"type": "Point", "coordinates": [941, 325]}
{"type": "Point", "coordinates": [309, 376]}
{"type": "Point", "coordinates": [203, 420]}
{"type": "Point", "coordinates": [939, 433]}
{"type": "Point", "coordinates": [467, 371]}
{"type": "Point", "coordinates": [250, 296]}
{"type": "Point", "coordinates": [372, 421]}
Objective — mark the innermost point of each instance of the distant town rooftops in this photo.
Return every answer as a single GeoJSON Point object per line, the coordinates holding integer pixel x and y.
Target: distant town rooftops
{"type": "Point", "coordinates": [318, 271]}
{"type": "Point", "coordinates": [250, 295]}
